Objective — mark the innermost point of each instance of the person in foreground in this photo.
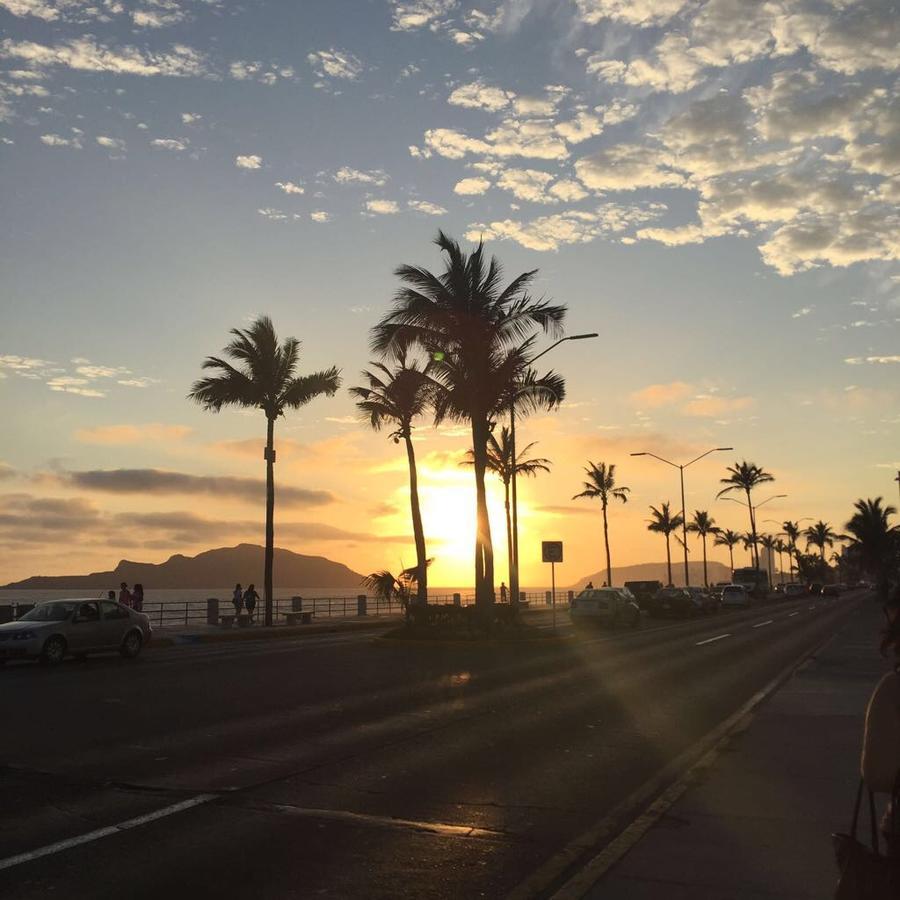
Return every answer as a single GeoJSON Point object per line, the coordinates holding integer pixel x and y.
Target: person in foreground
{"type": "Point", "coordinates": [881, 742]}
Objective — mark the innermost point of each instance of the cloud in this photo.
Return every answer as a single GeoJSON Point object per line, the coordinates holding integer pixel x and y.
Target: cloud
{"type": "Point", "coordinates": [410, 15]}
{"type": "Point", "coordinates": [655, 395]}
{"type": "Point", "coordinates": [55, 140]}
{"type": "Point", "coordinates": [348, 175]}
{"type": "Point", "coordinates": [335, 64]}
{"type": "Point", "coordinates": [470, 187]}
{"type": "Point", "coordinates": [190, 118]}
{"type": "Point", "coordinates": [713, 405]}
{"type": "Point", "coordinates": [169, 144]}
{"type": "Point", "coordinates": [872, 360]}
{"type": "Point", "coordinates": [429, 209]}
{"type": "Point", "coordinates": [158, 481]}
{"type": "Point", "coordinates": [382, 207]}
{"type": "Point", "coordinates": [585, 125]}
{"type": "Point", "coordinates": [290, 188]}
{"type": "Point", "coordinates": [119, 435]}
{"type": "Point", "coordinates": [320, 216]}
{"type": "Point", "coordinates": [68, 384]}
{"type": "Point", "coordinates": [627, 167]}
{"type": "Point", "coordinates": [263, 73]}
{"type": "Point", "coordinates": [478, 95]}
{"type": "Point", "coordinates": [803, 311]}
{"type": "Point", "coordinates": [630, 12]}
{"type": "Point", "coordinates": [248, 162]}
{"type": "Point", "coordinates": [535, 139]}
{"type": "Point", "coordinates": [86, 55]}
{"type": "Point", "coordinates": [111, 143]}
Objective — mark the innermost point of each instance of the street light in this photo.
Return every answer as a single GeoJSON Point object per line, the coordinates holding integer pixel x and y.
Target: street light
{"type": "Point", "coordinates": [514, 562]}
{"type": "Point", "coordinates": [681, 468]}
{"type": "Point", "coordinates": [753, 510]}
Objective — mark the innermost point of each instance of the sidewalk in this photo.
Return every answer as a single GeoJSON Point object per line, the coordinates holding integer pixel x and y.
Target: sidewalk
{"type": "Point", "coordinates": [758, 823]}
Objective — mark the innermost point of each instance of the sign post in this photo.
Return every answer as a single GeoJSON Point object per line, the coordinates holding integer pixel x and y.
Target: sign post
{"type": "Point", "coordinates": [552, 552]}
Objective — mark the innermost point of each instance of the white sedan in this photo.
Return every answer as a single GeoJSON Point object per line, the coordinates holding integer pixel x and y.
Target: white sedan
{"type": "Point", "coordinates": [608, 606]}
{"type": "Point", "coordinates": [59, 628]}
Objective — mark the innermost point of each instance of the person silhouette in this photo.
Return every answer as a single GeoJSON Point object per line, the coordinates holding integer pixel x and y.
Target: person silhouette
{"type": "Point", "coordinates": [589, 586]}
{"type": "Point", "coordinates": [503, 592]}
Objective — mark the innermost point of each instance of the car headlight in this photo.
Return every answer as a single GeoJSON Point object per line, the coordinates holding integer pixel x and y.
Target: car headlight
{"type": "Point", "coordinates": [23, 636]}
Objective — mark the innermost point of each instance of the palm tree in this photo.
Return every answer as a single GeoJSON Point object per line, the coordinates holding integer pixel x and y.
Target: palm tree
{"type": "Point", "coordinates": [601, 484]}
{"type": "Point", "coordinates": [479, 337]}
{"type": "Point", "coordinates": [792, 532]}
{"type": "Point", "coordinates": [820, 535]}
{"type": "Point", "coordinates": [388, 587]}
{"type": "Point", "coordinates": [397, 397]}
{"type": "Point", "coordinates": [262, 377]}
{"type": "Point", "coordinates": [747, 541]}
{"type": "Point", "coordinates": [875, 540]}
{"type": "Point", "coordinates": [730, 539]}
{"type": "Point", "coordinates": [663, 522]}
{"type": "Point", "coordinates": [769, 543]}
{"type": "Point", "coordinates": [499, 461]}
{"type": "Point", "coordinates": [744, 476]}
{"type": "Point", "coordinates": [781, 548]}
{"type": "Point", "coordinates": [703, 524]}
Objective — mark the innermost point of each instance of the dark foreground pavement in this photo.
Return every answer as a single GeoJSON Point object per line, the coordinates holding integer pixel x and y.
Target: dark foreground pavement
{"type": "Point", "coordinates": [757, 823]}
{"type": "Point", "coordinates": [349, 766]}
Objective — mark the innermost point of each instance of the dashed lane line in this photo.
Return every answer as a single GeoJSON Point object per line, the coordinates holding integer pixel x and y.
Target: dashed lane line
{"type": "Point", "coordinates": [761, 624]}
{"type": "Point", "coordinates": [791, 616]}
{"type": "Point", "coordinates": [99, 833]}
{"type": "Point", "coordinates": [712, 639]}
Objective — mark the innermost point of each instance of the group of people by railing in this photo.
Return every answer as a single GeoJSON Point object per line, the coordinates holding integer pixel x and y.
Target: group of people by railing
{"type": "Point", "coordinates": [134, 598]}
{"type": "Point", "coordinates": [244, 599]}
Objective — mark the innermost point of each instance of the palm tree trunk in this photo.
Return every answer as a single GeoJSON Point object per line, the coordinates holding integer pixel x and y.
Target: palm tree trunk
{"type": "Point", "coordinates": [755, 553]}
{"type": "Point", "coordinates": [509, 546]}
{"type": "Point", "coordinates": [668, 559]}
{"type": "Point", "coordinates": [418, 531]}
{"type": "Point", "coordinates": [606, 542]}
{"type": "Point", "coordinates": [731, 557]}
{"type": "Point", "coordinates": [705, 576]}
{"type": "Point", "coordinates": [270, 517]}
{"type": "Point", "coordinates": [484, 550]}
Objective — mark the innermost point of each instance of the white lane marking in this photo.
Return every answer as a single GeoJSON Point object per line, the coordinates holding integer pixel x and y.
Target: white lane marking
{"type": "Point", "coordinates": [813, 606]}
{"type": "Point", "coordinates": [118, 828]}
{"type": "Point", "coordinates": [710, 640]}
{"type": "Point", "coordinates": [791, 616]}
{"type": "Point", "coordinates": [760, 624]}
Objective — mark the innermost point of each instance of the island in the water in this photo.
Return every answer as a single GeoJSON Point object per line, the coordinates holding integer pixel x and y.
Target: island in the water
{"type": "Point", "coordinates": [212, 568]}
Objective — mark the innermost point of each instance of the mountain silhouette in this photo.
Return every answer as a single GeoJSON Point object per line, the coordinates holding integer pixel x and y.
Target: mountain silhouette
{"type": "Point", "coordinates": [213, 568]}
{"type": "Point", "coordinates": [657, 572]}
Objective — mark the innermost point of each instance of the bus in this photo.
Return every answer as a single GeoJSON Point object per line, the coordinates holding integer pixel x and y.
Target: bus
{"type": "Point", "coordinates": [754, 581]}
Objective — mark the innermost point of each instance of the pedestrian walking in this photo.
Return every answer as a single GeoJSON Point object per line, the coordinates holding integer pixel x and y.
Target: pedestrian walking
{"type": "Point", "coordinates": [124, 594]}
{"type": "Point", "coordinates": [503, 592]}
{"type": "Point", "coordinates": [881, 741]}
{"type": "Point", "coordinates": [137, 598]}
{"type": "Point", "coordinates": [237, 598]}
{"type": "Point", "coordinates": [250, 598]}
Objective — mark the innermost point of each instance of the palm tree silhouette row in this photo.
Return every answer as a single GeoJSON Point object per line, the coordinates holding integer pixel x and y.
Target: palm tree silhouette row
{"type": "Point", "coordinates": [730, 539]}
{"type": "Point", "coordinates": [601, 485]}
{"type": "Point", "coordinates": [792, 533]}
{"type": "Point", "coordinates": [876, 541]}
{"type": "Point", "coordinates": [820, 535]}
{"type": "Point", "coordinates": [703, 525]}
{"type": "Point", "coordinates": [744, 476]}
{"type": "Point", "coordinates": [500, 462]}
{"type": "Point", "coordinates": [663, 522]}
{"type": "Point", "coordinates": [478, 337]}
{"type": "Point", "coordinates": [399, 396]}
{"type": "Point", "coordinates": [262, 376]}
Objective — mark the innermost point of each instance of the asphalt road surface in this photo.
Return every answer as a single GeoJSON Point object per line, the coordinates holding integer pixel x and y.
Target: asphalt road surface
{"type": "Point", "coordinates": [352, 766]}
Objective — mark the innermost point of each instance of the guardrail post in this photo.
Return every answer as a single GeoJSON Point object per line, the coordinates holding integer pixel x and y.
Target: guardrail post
{"type": "Point", "coordinates": [457, 600]}
{"type": "Point", "coordinates": [571, 595]}
{"type": "Point", "coordinates": [296, 604]}
{"type": "Point", "coordinates": [548, 598]}
{"type": "Point", "coordinates": [212, 610]}
{"type": "Point", "coordinates": [360, 604]}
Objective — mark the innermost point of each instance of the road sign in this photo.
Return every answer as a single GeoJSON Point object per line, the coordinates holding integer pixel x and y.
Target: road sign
{"type": "Point", "coordinates": [552, 551]}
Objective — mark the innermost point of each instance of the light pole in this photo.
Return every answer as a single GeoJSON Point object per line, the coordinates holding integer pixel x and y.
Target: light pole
{"type": "Point", "coordinates": [681, 468]}
{"type": "Point", "coordinates": [753, 510]}
{"type": "Point", "coordinates": [514, 562]}
{"type": "Point", "coordinates": [791, 546]}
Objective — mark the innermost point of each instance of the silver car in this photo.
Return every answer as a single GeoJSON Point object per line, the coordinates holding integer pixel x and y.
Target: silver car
{"type": "Point", "coordinates": [59, 628]}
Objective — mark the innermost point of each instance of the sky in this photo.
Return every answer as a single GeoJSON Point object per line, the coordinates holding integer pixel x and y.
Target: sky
{"type": "Point", "coordinates": [711, 185]}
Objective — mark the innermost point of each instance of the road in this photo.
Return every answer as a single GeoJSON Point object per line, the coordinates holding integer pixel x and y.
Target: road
{"type": "Point", "coordinates": [352, 766]}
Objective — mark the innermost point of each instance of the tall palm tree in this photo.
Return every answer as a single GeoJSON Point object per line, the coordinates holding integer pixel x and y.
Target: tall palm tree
{"type": "Point", "coordinates": [747, 541]}
{"type": "Point", "coordinates": [397, 397]}
{"type": "Point", "coordinates": [780, 548]}
{"type": "Point", "coordinates": [876, 541]}
{"type": "Point", "coordinates": [479, 337]}
{"type": "Point", "coordinates": [792, 533]}
{"type": "Point", "coordinates": [387, 586]}
{"type": "Point", "coordinates": [500, 462]}
{"type": "Point", "coordinates": [663, 522]}
{"type": "Point", "coordinates": [703, 525]}
{"type": "Point", "coordinates": [820, 535]}
{"type": "Point", "coordinates": [769, 543]}
{"type": "Point", "coordinates": [744, 476]}
{"type": "Point", "coordinates": [601, 485]}
{"type": "Point", "coordinates": [262, 376]}
{"type": "Point", "coordinates": [730, 539]}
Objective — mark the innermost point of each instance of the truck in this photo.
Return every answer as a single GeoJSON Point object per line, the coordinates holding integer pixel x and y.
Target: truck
{"type": "Point", "coordinates": [754, 581]}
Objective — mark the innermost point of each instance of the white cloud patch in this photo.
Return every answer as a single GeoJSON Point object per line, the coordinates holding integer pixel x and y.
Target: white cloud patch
{"type": "Point", "coordinates": [348, 175]}
{"type": "Point", "coordinates": [410, 15]}
{"type": "Point", "coordinates": [631, 12]}
{"type": "Point", "coordinates": [320, 216]}
{"type": "Point", "coordinates": [248, 162]}
{"type": "Point", "coordinates": [190, 118]}
{"type": "Point", "coordinates": [627, 167]}
{"type": "Point", "coordinates": [56, 140]}
{"type": "Point", "coordinates": [428, 209]}
{"type": "Point", "coordinates": [335, 64]}
{"type": "Point", "coordinates": [110, 143]}
{"type": "Point", "coordinates": [471, 187]}
{"type": "Point", "coordinates": [172, 144]}
{"type": "Point", "coordinates": [872, 360]}
{"type": "Point", "coordinates": [289, 187]}
{"type": "Point", "coordinates": [382, 207]}
{"type": "Point", "coordinates": [478, 95]}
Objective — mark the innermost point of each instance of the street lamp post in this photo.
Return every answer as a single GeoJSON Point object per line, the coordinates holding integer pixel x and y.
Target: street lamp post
{"type": "Point", "coordinates": [681, 468]}
{"type": "Point", "coordinates": [753, 510]}
{"type": "Point", "coordinates": [514, 562]}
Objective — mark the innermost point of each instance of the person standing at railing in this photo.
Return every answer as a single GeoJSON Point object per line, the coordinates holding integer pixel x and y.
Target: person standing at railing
{"type": "Point", "coordinates": [137, 598]}
{"type": "Point", "coordinates": [250, 598]}
{"type": "Point", "coordinates": [237, 598]}
{"type": "Point", "coordinates": [125, 597]}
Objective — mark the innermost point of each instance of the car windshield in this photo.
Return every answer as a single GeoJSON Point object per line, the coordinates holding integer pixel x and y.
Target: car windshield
{"type": "Point", "coordinates": [50, 612]}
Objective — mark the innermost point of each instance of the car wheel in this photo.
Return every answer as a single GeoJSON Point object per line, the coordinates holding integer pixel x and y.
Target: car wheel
{"type": "Point", "coordinates": [54, 651]}
{"type": "Point", "coordinates": [131, 644]}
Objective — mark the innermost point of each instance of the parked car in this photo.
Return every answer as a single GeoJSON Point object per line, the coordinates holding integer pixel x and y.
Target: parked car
{"type": "Point", "coordinates": [605, 606]}
{"type": "Point", "coordinates": [59, 628]}
{"type": "Point", "coordinates": [816, 588]}
{"type": "Point", "coordinates": [709, 600]}
{"type": "Point", "coordinates": [643, 591]}
{"type": "Point", "coordinates": [832, 590]}
{"type": "Point", "coordinates": [672, 601]}
{"type": "Point", "coordinates": [735, 597]}
{"type": "Point", "coordinates": [794, 590]}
